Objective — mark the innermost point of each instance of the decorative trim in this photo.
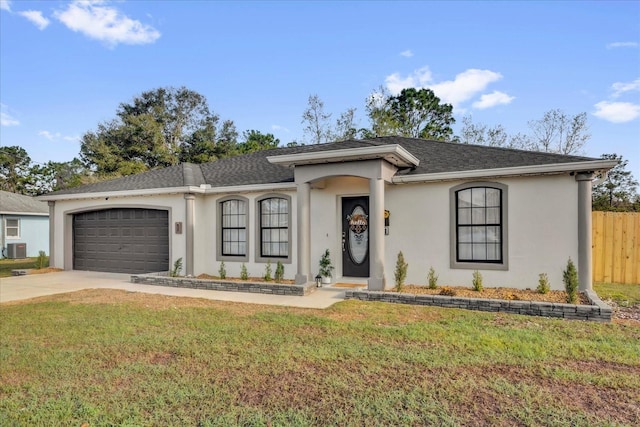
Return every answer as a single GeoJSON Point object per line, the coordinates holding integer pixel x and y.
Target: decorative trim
{"type": "Point", "coordinates": [392, 153]}
{"type": "Point", "coordinates": [218, 241]}
{"type": "Point", "coordinates": [504, 225]}
{"type": "Point", "coordinates": [555, 168]}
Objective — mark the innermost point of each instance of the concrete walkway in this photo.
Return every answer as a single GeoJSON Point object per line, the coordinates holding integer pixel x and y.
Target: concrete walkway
{"type": "Point", "coordinates": [37, 285]}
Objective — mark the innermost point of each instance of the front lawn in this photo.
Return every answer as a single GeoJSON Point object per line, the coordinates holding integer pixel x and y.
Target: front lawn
{"type": "Point", "coordinates": [106, 357]}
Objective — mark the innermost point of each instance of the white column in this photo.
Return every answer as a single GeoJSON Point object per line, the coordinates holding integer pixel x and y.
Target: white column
{"type": "Point", "coordinates": [303, 210]}
{"type": "Point", "coordinates": [52, 234]}
{"type": "Point", "coordinates": [189, 229]}
{"type": "Point", "coordinates": [585, 272]}
{"type": "Point", "coordinates": [376, 235]}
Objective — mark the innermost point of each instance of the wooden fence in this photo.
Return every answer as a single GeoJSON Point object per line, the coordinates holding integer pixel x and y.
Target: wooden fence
{"type": "Point", "coordinates": [616, 251]}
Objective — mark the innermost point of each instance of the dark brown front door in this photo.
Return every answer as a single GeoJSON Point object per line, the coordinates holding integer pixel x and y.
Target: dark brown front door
{"type": "Point", "coordinates": [355, 236]}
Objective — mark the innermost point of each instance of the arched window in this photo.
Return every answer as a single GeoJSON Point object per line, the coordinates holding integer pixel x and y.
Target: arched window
{"type": "Point", "coordinates": [232, 243]}
{"type": "Point", "coordinates": [274, 220]}
{"type": "Point", "coordinates": [479, 226]}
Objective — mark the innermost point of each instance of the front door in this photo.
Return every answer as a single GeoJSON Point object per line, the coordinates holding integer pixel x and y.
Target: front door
{"type": "Point", "coordinates": [355, 236]}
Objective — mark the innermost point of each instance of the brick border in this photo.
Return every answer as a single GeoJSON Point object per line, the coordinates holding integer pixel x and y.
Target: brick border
{"type": "Point", "coordinates": [223, 285]}
{"type": "Point", "coordinates": [597, 311]}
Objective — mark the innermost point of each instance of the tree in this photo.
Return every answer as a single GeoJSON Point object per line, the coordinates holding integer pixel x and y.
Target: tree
{"type": "Point", "coordinates": [158, 128]}
{"type": "Point", "coordinates": [15, 165]}
{"type": "Point", "coordinates": [495, 136]}
{"type": "Point", "coordinates": [54, 176]}
{"type": "Point", "coordinates": [415, 113]}
{"type": "Point", "coordinates": [556, 132]}
{"type": "Point", "coordinates": [618, 190]}
{"type": "Point", "coordinates": [256, 141]}
{"type": "Point", "coordinates": [345, 126]}
{"type": "Point", "coordinates": [316, 121]}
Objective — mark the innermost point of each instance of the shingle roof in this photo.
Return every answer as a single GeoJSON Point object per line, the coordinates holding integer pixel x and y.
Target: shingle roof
{"type": "Point", "coordinates": [11, 203]}
{"type": "Point", "coordinates": [254, 168]}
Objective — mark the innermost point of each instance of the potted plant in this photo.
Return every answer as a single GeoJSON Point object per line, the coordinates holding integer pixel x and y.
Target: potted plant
{"type": "Point", "coordinates": [326, 267]}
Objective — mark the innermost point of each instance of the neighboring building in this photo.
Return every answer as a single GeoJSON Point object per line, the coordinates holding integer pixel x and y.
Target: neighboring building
{"type": "Point", "coordinates": [24, 223]}
{"type": "Point", "coordinates": [510, 214]}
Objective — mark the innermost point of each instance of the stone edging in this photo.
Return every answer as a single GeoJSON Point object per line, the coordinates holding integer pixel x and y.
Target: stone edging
{"type": "Point", "coordinates": [597, 311]}
{"type": "Point", "coordinates": [160, 279]}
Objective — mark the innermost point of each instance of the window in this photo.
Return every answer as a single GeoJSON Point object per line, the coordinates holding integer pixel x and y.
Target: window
{"type": "Point", "coordinates": [234, 228]}
{"type": "Point", "coordinates": [232, 233]}
{"type": "Point", "coordinates": [479, 226]}
{"type": "Point", "coordinates": [274, 220]}
{"type": "Point", "coordinates": [12, 228]}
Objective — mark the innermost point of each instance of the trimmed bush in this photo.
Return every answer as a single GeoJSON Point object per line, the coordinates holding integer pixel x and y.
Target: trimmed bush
{"type": "Point", "coordinates": [244, 274]}
{"type": "Point", "coordinates": [279, 272]}
{"type": "Point", "coordinates": [477, 281]}
{"type": "Point", "coordinates": [570, 279]}
{"type": "Point", "coordinates": [543, 284]}
{"type": "Point", "coordinates": [222, 271]}
{"type": "Point", "coordinates": [432, 278]}
{"type": "Point", "coordinates": [267, 272]}
{"type": "Point", "coordinates": [401, 272]}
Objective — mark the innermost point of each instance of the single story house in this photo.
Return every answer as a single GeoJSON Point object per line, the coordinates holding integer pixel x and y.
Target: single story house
{"type": "Point", "coordinates": [458, 208]}
{"type": "Point", "coordinates": [24, 226]}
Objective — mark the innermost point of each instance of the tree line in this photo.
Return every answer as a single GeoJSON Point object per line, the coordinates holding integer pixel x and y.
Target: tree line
{"type": "Point", "coordinates": [167, 126]}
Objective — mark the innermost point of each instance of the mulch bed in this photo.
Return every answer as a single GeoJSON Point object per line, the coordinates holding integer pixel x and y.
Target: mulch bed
{"type": "Point", "coordinates": [250, 279]}
{"type": "Point", "coordinates": [510, 294]}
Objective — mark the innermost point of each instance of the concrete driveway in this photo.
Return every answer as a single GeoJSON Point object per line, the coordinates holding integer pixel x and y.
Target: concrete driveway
{"type": "Point", "coordinates": [37, 285]}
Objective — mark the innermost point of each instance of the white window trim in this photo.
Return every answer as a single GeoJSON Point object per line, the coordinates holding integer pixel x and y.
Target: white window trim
{"type": "Point", "coordinates": [7, 227]}
{"type": "Point", "coordinates": [504, 207]}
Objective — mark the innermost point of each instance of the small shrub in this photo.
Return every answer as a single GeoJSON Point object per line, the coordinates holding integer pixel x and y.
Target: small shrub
{"type": "Point", "coordinates": [279, 272]}
{"type": "Point", "coordinates": [543, 284]}
{"type": "Point", "coordinates": [42, 261]}
{"type": "Point", "coordinates": [570, 279]}
{"type": "Point", "coordinates": [432, 278]}
{"type": "Point", "coordinates": [222, 271]}
{"type": "Point", "coordinates": [267, 272]}
{"type": "Point", "coordinates": [177, 268]}
{"type": "Point", "coordinates": [244, 274]}
{"type": "Point", "coordinates": [477, 281]}
{"type": "Point", "coordinates": [401, 272]}
{"type": "Point", "coordinates": [448, 292]}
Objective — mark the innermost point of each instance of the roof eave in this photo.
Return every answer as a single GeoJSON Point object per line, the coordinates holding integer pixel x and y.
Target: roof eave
{"type": "Point", "coordinates": [555, 168]}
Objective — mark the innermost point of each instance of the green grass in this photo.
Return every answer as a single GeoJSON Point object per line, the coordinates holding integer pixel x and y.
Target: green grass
{"type": "Point", "coordinates": [118, 358]}
{"type": "Point", "coordinates": [624, 295]}
{"type": "Point", "coordinates": [6, 265]}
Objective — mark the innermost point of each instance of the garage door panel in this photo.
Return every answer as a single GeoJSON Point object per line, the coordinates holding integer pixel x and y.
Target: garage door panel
{"type": "Point", "coordinates": [127, 240]}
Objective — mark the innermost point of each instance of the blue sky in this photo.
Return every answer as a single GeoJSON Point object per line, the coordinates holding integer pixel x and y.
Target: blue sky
{"type": "Point", "coordinates": [67, 65]}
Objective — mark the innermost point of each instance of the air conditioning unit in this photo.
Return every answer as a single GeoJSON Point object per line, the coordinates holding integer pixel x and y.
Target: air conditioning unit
{"type": "Point", "coordinates": [16, 250]}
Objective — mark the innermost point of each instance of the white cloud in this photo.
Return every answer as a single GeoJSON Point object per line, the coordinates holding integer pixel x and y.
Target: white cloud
{"type": "Point", "coordinates": [619, 88]}
{"type": "Point", "coordinates": [5, 5]}
{"type": "Point", "coordinates": [105, 23]}
{"type": "Point", "coordinates": [617, 112]}
{"type": "Point", "coordinates": [622, 44]}
{"type": "Point", "coordinates": [5, 118]}
{"type": "Point", "coordinates": [278, 127]}
{"type": "Point", "coordinates": [57, 136]}
{"type": "Point", "coordinates": [492, 99]}
{"type": "Point", "coordinates": [36, 18]}
{"type": "Point", "coordinates": [464, 87]}
{"type": "Point", "coordinates": [406, 53]}
{"type": "Point", "coordinates": [419, 78]}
